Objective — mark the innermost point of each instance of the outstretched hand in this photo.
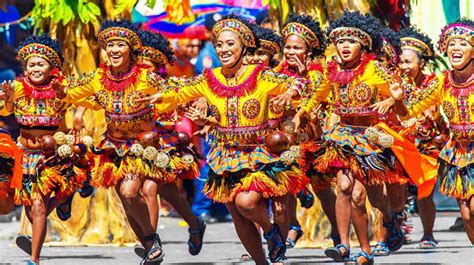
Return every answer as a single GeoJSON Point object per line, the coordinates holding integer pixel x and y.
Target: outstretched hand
{"type": "Point", "coordinates": [7, 90]}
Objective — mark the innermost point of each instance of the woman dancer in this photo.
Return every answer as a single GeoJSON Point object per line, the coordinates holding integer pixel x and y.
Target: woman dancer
{"type": "Point", "coordinates": [122, 162]}
{"type": "Point", "coordinates": [242, 172]}
{"type": "Point", "coordinates": [303, 42]}
{"type": "Point", "coordinates": [350, 155]}
{"type": "Point", "coordinates": [426, 130]}
{"type": "Point", "coordinates": [455, 95]}
{"type": "Point", "coordinates": [49, 174]}
{"type": "Point", "coordinates": [155, 53]}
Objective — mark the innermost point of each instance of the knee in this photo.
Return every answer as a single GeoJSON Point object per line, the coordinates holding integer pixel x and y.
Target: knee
{"type": "Point", "coordinates": [38, 208]}
{"type": "Point", "coordinates": [246, 206]}
{"type": "Point", "coordinates": [344, 188]}
{"type": "Point", "coordinates": [150, 194]}
{"type": "Point", "coordinates": [358, 197]}
{"type": "Point", "coordinates": [128, 197]}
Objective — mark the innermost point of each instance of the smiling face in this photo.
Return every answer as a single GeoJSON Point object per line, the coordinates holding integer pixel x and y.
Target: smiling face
{"type": "Point", "coordinates": [119, 53]}
{"type": "Point", "coordinates": [37, 70]}
{"type": "Point", "coordinates": [348, 50]}
{"type": "Point", "coordinates": [295, 48]}
{"type": "Point", "coordinates": [229, 49]}
{"type": "Point", "coordinates": [460, 53]}
{"type": "Point", "coordinates": [410, 63]}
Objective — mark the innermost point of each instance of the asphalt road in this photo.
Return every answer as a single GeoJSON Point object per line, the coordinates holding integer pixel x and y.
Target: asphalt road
{"type": "Point", "coordinates": [222, 247]}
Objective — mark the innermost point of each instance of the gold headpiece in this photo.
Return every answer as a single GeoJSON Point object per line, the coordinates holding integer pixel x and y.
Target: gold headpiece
{"type": "Point", "coordinates": [455, 31]}
{"type": "Point", "coordinates": [303, 32]}
{"type": "Point", "coordinates": [351, 33]}
{"type": "Point", "coordinates": [236, 26]}
{"type": "Point", "coordinates": [40, 50]}
{"type": "Point", "coordinates": [119, 33]}
{"type": "Point", "coordinates": [417, 45]}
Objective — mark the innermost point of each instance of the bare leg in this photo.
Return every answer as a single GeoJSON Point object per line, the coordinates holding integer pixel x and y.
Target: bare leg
{"type": "Point", "coordinates": [135, 206]}
{"type": "Point", "coordinates": [250, 206]}
{"type": "Point", "coordinates": [171, 194]}
{"type": "Point", "coordinates": [345, 185]}
{"type": "Point", "coordinates": [427, 210]}
{"type": "Point", "coordinates": [360, 220]}
{"type": "Point", "coordinates": [328, 203]}
{"type": "Point", "coordinates": [379, 199]}
{"type": "Point", "coordinates": [150, 193]}
{"type": "Point", "coordinates": [38, 211]}
{"type": "Point", "coordinates": [397, 196]}
{"type": "Point", "coordinates": [280, 211]}
{"type": "Point", "coordinates": [292, 202]}
{"type": "Point", "coordinates": [467, 214]}
{"type": "Point", "coordinates": [248, 234]}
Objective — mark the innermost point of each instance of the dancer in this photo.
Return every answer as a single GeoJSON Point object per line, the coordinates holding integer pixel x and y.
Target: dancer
{"type": "Point", "coordinates": [454, 94]}
{"type": "Point", "coordinates": [122, 161]}
{"type": "Point", "coordinates": [242, 172]}
{"type": "Point", "coordinates": [427, 130]}
{"type": "Point", "coordinates": [156, 53]}
{"type": "Point", "coordinates": [356, 160]}
{"type": "Point", "coordinates": [303, 42]}
{"type": "Point", "coordinates": [50, 174]}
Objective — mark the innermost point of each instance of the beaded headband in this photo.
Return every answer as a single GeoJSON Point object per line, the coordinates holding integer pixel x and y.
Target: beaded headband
{"type": "Point", "coordinates": [40, 50]}
{"type": "Point", "coordinates": [301, 31]}
{"type": "Point", "coordinates": [351, 33]}
{"type": "Point", "coordinates": [270, 46]}
{"type": "Point", "coordinates": [417, 45]}
{"type": "Point", "coordinates": [237, 27]}
{"type": "Point", "coordinates": [390, 50]}
{"type": "Point", "coordinates": [455, 31]}
{"type": "Point", "coordinates": [119, 33]}
{"type": "Point", "coordinates": [153, 55]}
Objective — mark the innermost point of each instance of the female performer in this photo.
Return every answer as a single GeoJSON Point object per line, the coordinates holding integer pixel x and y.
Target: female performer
{"type": "Point", "coordinates": [454, 94]}
{"type": "Point", "coordinates": [356, 159]}
{"type": "Point", "coordinates": [49, 174]}
{"type": "Point", "coordinates": [303, 42]}
{"type": "Point", "coordinates": [156, 53]}
{"type": "Point", "coordinates": [122, 162]}
{"type": "Point", "coordinates": [243, 173]}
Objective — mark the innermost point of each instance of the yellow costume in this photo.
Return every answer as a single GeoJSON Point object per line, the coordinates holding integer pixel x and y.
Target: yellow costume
{"type": "Point", "coordinates": [117, 95]}
{"type": "Point", "coordinates": [455, 160]}
{"type": "Point", "coordinates": [37, 107]}
{"type": "Point", "coordinates": [237, 159]}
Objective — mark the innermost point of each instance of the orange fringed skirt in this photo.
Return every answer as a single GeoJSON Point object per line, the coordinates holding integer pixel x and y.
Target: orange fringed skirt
{"type": "Point", "coordinates": [347, 148]}
{"type": "Point", "coordinates": [235, 169]}
{"type": "Point", "coordinates": [41, 180]}
{"type": "Point", "coordinates": [115, 161]}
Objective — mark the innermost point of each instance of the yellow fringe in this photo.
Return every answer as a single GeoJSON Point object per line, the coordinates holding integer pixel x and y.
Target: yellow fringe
{"type": "Point", "coordinates": [456, 191]}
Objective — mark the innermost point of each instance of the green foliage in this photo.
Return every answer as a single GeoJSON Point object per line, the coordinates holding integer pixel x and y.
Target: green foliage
{"type": "Point", "coordinates": [123, 5]}
{"type": "Point", "coordinates": [64, 12]}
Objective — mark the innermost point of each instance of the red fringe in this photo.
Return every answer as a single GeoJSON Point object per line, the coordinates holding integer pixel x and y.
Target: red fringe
{"type": "Point", "coordinates": [37, 91]}
{"type": "Point", "coordinates": [343, 77]}
{"type": "Point", "coordinates": [240, 90]}
{"type": "Point", "coordinates": [458, 90]}
{"type": "Point", "coordinates": [121, 82]}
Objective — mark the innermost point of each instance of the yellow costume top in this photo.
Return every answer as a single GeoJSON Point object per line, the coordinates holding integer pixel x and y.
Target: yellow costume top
{"type": "Point", "coordinates": [240, 106]}
{"type": "Point", "coordinates": [116, 95]}
{"type": "Point", "coordinates": [352, 91]}
{"type": "Point", "coordinates": [456, 100]}
{"type": "Point", "coordinates": [315, 78]}
{"type": "Point", "coordinates": [36, 105]}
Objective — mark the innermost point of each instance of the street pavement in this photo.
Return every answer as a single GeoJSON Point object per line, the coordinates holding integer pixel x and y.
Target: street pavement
{"type": "Point", "coordinates": [223, 247]}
